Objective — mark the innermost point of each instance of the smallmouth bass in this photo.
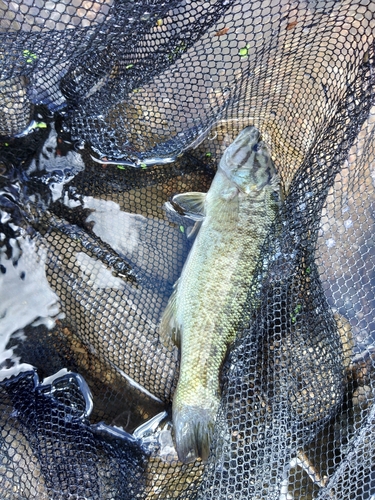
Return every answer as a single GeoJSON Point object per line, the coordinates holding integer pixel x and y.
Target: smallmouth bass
{"type": "Point", "coordinates": [205, 308]}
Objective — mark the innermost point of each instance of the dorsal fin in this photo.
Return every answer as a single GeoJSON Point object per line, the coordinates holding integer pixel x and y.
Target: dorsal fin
{"type": "Point", "coordinates": [169, 328]}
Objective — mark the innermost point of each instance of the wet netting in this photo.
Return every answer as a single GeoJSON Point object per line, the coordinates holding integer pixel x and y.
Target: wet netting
{"type": "Point", "coordinates": [108, 110]}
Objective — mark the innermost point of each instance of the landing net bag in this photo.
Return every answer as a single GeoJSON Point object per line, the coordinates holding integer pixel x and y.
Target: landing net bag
{"type": "Point", "coordinates": [108, 109]}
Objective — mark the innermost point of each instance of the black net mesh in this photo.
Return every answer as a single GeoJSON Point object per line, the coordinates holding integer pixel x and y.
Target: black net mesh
{"type": "Point", "coordinates": [107, 110]}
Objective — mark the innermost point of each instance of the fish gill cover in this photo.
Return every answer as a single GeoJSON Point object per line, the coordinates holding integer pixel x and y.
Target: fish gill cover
{"type": "Point", "coordinates": [110, 111]}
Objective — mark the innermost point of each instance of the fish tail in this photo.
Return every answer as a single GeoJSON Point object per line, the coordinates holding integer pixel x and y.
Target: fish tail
{"type": "Point", "coordinates": [194, 428]}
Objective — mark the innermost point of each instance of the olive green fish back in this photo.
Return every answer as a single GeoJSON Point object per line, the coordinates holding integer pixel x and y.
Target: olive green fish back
{"type": "Point", "coordinates": [109, 108]}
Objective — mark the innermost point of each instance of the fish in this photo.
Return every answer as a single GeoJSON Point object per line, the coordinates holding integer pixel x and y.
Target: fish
{"type": "Point", "coordinates": [204, 311]}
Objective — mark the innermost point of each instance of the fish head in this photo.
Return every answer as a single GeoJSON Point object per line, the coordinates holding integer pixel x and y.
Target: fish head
{"type": "Point", "coordinates": [247, 162]}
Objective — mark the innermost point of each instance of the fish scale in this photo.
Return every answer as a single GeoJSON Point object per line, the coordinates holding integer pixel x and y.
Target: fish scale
{"type": "Point", "coordinates": [204, 311]}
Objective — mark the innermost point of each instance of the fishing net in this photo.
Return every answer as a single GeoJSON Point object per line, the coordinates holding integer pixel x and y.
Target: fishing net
{"type": "Point", "coordinates": [108, 109]}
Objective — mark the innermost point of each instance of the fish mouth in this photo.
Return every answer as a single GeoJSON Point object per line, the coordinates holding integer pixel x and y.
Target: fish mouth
{"type": "Point", "coordinates": [250, 130]}
{"type": "Point", "coordinates": [245, 146]}
{"type": "Point", "coordinates": [247, 162]}
{"type": "Point", "coordinates": [247, 140]}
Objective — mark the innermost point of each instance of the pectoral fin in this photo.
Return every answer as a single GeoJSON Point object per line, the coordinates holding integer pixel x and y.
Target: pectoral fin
{"type": "Point", "coordinates": [192, 204]}
{"type": "Point", "coordinates": [193, 231]}
{"type": "Point", "coordinates": [169, 329]}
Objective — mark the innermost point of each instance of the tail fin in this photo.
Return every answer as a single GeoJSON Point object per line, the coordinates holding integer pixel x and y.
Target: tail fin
{"type": "Point", "coordinates": [193, 427]}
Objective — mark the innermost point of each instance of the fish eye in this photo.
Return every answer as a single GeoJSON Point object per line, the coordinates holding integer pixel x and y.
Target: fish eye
{"type": "Point", "coordinates": [256, 147]}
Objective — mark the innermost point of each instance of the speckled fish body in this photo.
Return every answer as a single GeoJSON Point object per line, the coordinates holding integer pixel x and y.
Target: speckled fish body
{"type": "Point", "coordinates": [206, 306]}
